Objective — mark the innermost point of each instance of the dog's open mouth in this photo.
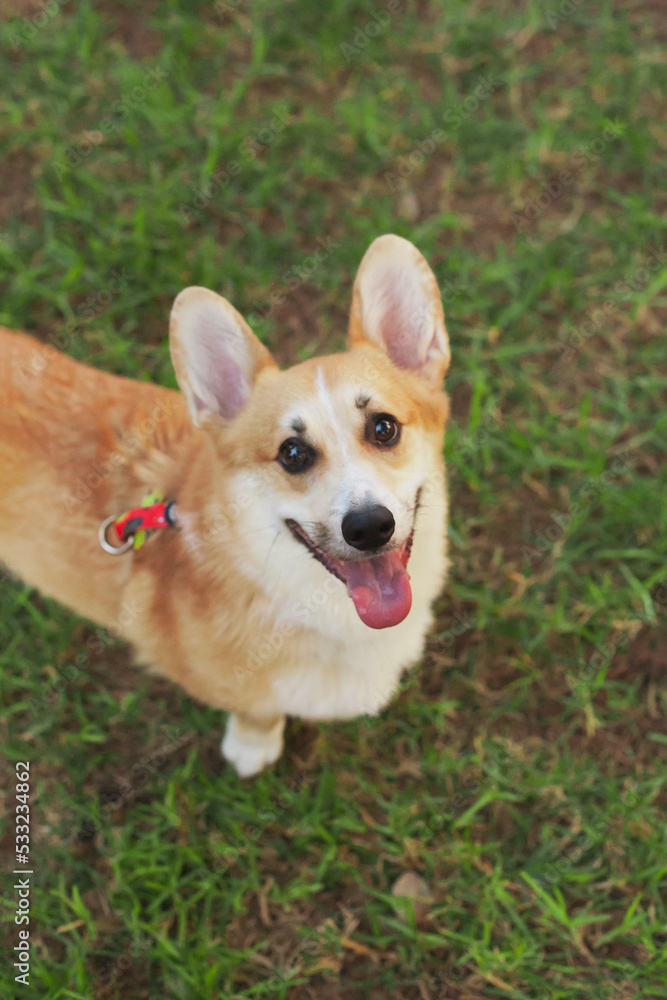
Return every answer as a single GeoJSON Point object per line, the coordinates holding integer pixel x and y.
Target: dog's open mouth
{"type": "Point", "coordinates": [379, 585]}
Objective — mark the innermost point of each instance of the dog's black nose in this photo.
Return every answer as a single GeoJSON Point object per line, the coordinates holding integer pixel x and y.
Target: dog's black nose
{"type": "Point", "coordinates": [368, 528]}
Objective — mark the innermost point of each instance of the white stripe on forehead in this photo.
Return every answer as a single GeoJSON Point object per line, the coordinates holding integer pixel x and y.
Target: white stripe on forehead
{"type": "Point", "coordinates": [341, 431]}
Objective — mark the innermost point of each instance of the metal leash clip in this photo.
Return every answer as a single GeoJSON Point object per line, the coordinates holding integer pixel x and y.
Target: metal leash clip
{"type": "Point", "coordinates": [113, 550]}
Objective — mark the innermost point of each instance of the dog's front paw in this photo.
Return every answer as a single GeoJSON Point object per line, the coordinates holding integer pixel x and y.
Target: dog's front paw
{"type": "Point", "coordinates": [250, 748]}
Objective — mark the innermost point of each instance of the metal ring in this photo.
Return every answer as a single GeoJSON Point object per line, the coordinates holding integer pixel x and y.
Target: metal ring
{"type": "Point", "coordinates": [113, 550]}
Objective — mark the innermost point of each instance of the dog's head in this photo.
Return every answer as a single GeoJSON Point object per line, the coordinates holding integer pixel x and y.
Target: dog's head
{"type": "Point", "coordinates": [344, 445]}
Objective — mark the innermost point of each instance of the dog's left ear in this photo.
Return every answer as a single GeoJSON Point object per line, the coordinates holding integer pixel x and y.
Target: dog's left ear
{"type": "Point", "coordinates": [396, 305]}
{"type": "Point", "coordinates": [215, 354]}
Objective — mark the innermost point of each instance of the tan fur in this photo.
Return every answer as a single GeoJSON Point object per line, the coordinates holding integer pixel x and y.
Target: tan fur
{"type": "Point", "coordinates": [77, 445]}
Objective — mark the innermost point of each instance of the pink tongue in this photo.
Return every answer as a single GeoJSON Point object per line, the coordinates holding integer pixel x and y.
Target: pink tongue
{"type": "Point", "coordinates": [380, 589]}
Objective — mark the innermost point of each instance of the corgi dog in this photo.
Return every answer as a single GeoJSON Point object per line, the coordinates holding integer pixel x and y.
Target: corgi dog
{"type": "Point", "coordinates": [304, 535]}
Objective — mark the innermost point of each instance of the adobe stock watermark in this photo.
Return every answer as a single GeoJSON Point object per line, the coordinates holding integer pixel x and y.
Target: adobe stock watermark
{"type": "Point", "coordinates": [553, 872]}
{"type": "Point", "coordinates": [562, 13]}
{"type": "Point", "coordinates": [7, 574]}
{"type": "Point", "coordinates": [121, 964]}
{"type": "Point", "coordinates": [604, 651]}
{"type": "Point", "coordinates": [551, 192]}
{"type": "Point", "coordinates": [485, 435]}
{"type": "Point", "coordinates": [22, 950]}
{"type": "Point", "coordinates": [378, 22]}
{"type": "Point", "coordinates": [225, 8]}
{"type": "Point", "coordinates": [27, 28]}
{"type": "Point", "coordinates": [284, 799]}
{"type": "Point", "coordinates": [95, 644]}
{"type": "Point", "coordinates": [597, 317]}
{"type": "Point", "coordinates": [397, 177]}
{"type": "Point", "coordinates": [294, 277]}
{"type": "Point", "coordinates": [131, 444]}
{"type": "Point", "coordinates": [460, 623]}
{"type": "Point", "coordinates": [93, 307]}
{"type": "Point", "coordinates": [225, 515]}
{"type": "Point", "coordinates": [471, 784]}
{"type": "Point", "coordinates": [271, 645]}
{"type": "Point", "coordinates": [247, 151]}
{"type": "Point", "coordinates": [453, 118]}
{"type": "Point", "coordinates": [127, 788]}
{"type": "Point", "coordinates": [76, 153]}
{"type": "Point", "coordinates": [586, 495]}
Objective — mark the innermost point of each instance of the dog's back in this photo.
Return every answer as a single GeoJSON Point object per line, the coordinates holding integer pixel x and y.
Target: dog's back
{"type": "Point", "coordinates": [69, 439]}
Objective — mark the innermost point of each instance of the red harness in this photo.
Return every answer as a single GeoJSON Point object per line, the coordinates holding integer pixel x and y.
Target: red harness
{"type": "Point", "coordinates": [134, 526]}
{"type": "Point", "coordinates": [158, 515]}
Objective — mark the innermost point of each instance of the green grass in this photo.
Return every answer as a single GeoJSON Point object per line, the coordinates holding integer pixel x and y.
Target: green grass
{"type": "Point", "coordinates": [521, 771]}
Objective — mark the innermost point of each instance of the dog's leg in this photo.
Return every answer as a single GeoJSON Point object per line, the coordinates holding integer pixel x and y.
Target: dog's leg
{"type": "Point", "coordinates": [252, 743]}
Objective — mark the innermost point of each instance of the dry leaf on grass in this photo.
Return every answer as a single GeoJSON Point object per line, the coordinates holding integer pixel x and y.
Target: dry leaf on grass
{"type": "Point", "coordinates": [412, 886]}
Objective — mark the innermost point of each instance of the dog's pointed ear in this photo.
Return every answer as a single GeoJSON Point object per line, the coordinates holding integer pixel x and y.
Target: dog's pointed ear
{"type": "Point", "coordinates": [396, 305]}
{"type": "Point", "coordinates": [215, 354]}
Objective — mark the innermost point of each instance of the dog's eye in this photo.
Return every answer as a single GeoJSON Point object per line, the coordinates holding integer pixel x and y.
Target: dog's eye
{"type": "Point", "coordinates": [384, 429]}
{"type": "Point", "coordinates": [295, 455]}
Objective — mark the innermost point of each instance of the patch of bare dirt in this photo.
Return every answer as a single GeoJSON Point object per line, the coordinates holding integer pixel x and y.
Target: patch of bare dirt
{"type": "Point", "coordinates": [297, 326]}
{"type": "Point", "coordinates": [20, 8]}
{"type": "Point", "coordinates": [647, 653]}
{"type": "Point", "coordinates": [129, 26]}
{"type": "Point", "coordinates": [17, 197]}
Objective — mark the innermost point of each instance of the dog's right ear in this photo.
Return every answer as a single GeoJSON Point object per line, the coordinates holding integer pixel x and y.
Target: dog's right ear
{"type": "Point", "coordinates": [396, 306]}
{"type": "Point", "coordinates": [215, 354]}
